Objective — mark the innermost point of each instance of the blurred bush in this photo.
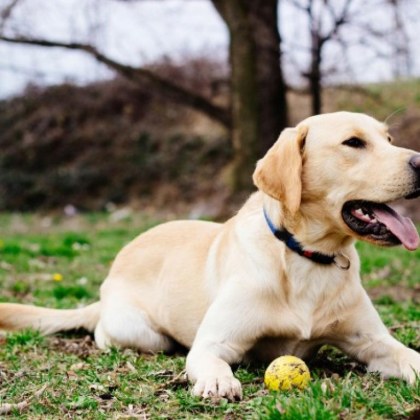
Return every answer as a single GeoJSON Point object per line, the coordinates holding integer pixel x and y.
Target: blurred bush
{"type": "Point", "coordinates": [106, 142]}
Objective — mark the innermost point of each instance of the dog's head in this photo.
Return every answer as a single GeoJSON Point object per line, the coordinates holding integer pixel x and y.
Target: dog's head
{"type": "Point", "coordinates": [343, 168]}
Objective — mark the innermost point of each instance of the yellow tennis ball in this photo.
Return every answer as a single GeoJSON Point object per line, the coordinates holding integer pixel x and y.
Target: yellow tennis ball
{"type": "Point", "coordinates": [286, 372]}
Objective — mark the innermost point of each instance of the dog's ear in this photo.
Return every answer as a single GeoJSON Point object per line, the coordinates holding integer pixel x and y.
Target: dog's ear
{"type": "Point", "coordinates": [279, 172]}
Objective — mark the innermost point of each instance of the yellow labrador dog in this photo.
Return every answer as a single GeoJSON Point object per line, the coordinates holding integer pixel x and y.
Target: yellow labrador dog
{"type": "Point", "coordinates": [280, 277]}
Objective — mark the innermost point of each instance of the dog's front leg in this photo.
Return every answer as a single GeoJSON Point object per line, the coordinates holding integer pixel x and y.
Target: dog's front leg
{"type": "Point", "coordinates": [222, 339]}
{"type": "Point", "coordinates": [367, 339]}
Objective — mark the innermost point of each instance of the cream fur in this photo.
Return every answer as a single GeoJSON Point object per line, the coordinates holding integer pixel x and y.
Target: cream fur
{"type": "Point", "coordinates": [232, 291]}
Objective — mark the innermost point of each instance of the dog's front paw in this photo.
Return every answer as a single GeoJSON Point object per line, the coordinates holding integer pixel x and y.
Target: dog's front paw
{"type": "Point", "coordinates": [403, 363]}
{"type": "Point", "coordinates": [410, 365]}
{"type": "Point", "coordinates": [218, 387]}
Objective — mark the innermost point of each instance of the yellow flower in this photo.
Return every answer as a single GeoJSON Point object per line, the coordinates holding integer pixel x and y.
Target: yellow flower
{"type": "Point", "coordinates": [57, 277]}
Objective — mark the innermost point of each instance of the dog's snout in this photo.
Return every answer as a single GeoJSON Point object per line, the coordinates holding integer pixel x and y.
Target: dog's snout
{"type": "Point", "coordinates": [415, 162]}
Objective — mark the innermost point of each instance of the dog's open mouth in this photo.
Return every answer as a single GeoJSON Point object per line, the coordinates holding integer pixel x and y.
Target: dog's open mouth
{"type": "Point", "coordinates": [380, 223]}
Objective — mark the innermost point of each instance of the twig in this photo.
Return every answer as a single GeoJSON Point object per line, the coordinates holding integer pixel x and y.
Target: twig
{"type": "Point", "coordinates": [181, 378]}
{"type": "Point", "coordinates": [413, 324]}
{"type": "Point", "coordinates": [9, 407]}
{"type": "Point", "coordinates": [6, 13]}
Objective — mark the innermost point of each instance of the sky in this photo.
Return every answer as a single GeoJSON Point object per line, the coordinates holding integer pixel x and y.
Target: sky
{"type": "Point", "coordinates": [135, 34]}
{"type": "Point", "coordinates": [139, 32]}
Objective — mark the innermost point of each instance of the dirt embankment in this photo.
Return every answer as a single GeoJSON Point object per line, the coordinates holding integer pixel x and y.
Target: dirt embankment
{"type": "Point", "coordinates": [108, 142]}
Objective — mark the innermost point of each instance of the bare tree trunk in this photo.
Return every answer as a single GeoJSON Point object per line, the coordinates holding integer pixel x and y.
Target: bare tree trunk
{"type": "Point", "coordinates": [259, 109]}
{"type": "Point", "coordinates": [244, 87]}
{"type": "Point", "coordinates": [315, 75]}
{"type": "Point", "coordinates": [271, 88]}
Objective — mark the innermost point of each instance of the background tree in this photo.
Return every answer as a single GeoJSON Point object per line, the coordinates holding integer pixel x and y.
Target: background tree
{"type": "Point", "coordinates": [341, 26]}
{"type": "Point", "coordinates": [258, 109]}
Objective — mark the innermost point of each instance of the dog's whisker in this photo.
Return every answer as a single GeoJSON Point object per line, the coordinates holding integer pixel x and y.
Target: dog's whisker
{"type": "Point", "coordinates": [397, 111]}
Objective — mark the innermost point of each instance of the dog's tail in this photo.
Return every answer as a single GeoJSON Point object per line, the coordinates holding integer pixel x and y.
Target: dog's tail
{"type": "Point", "coordinates": [14, 317]}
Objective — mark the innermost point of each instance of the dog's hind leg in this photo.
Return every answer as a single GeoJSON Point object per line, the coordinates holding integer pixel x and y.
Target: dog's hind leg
{"type": "Point", "coordinates": [124, 324]}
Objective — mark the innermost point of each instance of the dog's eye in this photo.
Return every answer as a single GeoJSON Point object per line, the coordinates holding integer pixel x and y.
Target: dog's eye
{"type": "Point", "coordinates": [355, 142]}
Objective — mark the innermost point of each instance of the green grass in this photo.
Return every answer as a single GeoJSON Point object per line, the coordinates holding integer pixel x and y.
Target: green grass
{"type": "Point", "coordinates": [61, 263]}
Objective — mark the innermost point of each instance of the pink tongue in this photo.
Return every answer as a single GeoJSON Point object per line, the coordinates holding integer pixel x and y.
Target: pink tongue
{"type": "Point", "coordinates": [402, 227]}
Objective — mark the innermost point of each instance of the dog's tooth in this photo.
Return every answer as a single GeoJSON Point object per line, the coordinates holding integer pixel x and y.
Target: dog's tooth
{"type": "Point", "coordinates": [373, 220]}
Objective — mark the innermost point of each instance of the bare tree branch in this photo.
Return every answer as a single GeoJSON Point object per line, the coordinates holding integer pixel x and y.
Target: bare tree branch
{"type": "Point", "coordinates": [339, 20]}
{"type": "Point", "coordinates": [137, 75]}
{"type": "Point", "coordinates": [401, 42]}
{"type": "Point", "coordinates": [6, 12]}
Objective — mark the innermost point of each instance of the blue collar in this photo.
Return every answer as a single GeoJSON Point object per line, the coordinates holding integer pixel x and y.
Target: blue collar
{"type": "Point", "coordinates": [285, 236]}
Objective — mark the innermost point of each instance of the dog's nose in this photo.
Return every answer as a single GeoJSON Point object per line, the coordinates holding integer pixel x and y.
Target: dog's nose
{"type": "Point", "coordinates": [415, 162]}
